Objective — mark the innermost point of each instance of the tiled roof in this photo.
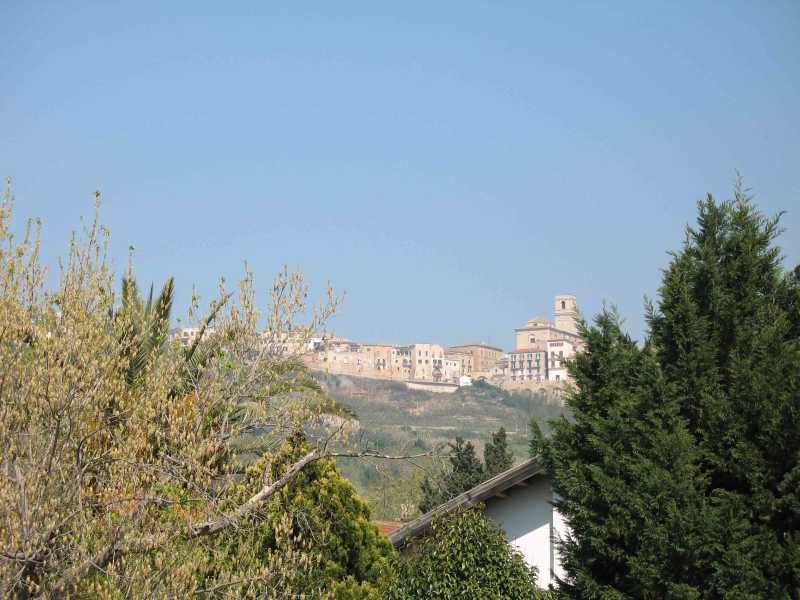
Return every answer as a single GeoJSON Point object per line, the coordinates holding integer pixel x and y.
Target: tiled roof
{"type": "Point", "coordinates": [478, 345]}
{"type": "Point", "coordinates": [387, 527]}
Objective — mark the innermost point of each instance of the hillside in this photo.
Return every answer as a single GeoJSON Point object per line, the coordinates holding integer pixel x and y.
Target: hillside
{"type": "Point", "coordinates": [396, 419]}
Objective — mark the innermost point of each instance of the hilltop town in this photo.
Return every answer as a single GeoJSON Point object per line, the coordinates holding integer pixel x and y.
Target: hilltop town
{"type": "Point", "coordinates": [537, 362]}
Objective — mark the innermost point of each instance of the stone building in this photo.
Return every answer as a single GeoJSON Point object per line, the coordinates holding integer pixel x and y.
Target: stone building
{"type": "Point", "coordinates": [464, 360]}
{"type": "Point", "coordinates": [418, 362]}
{"type": "Point", "coordinates": [566, 314]}
{"type": "Point", "coordinates": [427, 362]}
{"type": "Point", "coordinates": [542, 347]}
{"type": "Point", "coordinates": [343, 357]}
{"type": "Point", "coordinates": [484, 358]}
{"type": "Point", "coordinates": [541, 351]}
{"type": "Point", "coordinates": [401, 362]}
{"type": "Point", "coordinates": [557, 352]}
{"type": "Point", "coordinates": [527, 365]}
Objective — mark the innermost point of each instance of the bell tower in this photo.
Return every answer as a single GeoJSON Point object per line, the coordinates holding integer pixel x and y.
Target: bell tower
{"type": "Point", "coordinates": [566, 313]}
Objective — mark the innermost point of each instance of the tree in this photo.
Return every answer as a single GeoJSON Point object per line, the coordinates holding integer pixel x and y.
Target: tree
{"type": "Point", "coordinates": [465, 472]}
{"type": "Point", "coordinates": [496, 455]}
{"type": "Point", "coordinates": [625, 473]}
{"type": "Point", "coordinates": [313, 538]}
{"type": "Point", "coordinates": [109, 481]}
{"type": "Point", "coordinates": [726, 334]}
{"type": "Point", "coordinates": [465, 556]}
{"type": "Point", "coordinates": [146, 324]}
{"type": "Point", "coordinates": [679, 474]}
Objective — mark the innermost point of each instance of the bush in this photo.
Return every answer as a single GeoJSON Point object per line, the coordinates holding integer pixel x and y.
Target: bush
{"type": "Point", "coordinates": [465, 556]}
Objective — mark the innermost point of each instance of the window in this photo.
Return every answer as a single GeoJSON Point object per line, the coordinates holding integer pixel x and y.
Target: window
{"type": "Point", "coordinates": [563, 305]}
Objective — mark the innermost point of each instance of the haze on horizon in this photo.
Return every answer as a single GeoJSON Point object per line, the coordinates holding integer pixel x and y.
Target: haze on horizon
{"type": "Point", "coordinates": [451, 166]}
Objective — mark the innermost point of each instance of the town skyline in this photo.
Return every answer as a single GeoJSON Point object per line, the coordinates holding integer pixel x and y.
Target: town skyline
{"type": "Point", "coordinates": [538, 361]}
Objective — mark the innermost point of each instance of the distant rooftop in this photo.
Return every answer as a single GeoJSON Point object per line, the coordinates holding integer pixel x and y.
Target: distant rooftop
{"type": "Point", "coordinates": [477, 344]}
{"type": "Point", "coordinates": [537, 322]}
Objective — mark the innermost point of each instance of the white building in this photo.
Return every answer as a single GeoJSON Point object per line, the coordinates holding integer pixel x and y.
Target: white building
{"type": "Point", "coordinates": [520, 500]}
{"type": "Point", "coordinates": [187, 335]}
{"type": "Point", "coordinates": [558, 351]}
{"type": "Point", "coordinates": [543, 347]}
{"type": "Point", "coordinates": [527, 365]}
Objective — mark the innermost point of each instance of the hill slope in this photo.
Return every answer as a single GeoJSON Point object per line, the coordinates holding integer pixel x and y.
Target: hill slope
{"type": "Point", "coordinates": [396, 419]}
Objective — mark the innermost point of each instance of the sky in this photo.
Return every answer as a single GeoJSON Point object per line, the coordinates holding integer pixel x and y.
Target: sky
{"type": "Point", "coordinates": [451, 166]}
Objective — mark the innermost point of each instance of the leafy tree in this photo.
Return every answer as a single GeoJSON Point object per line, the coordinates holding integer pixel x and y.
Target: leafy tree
{"type": "Point", "coordinates": [465, 556]}
{"type": "Point", "coordinates": [318, 519]}
{"type": "Point", "coordinates": [679, 475]}
{"type": "Point", "coordinates": [112, 484]}
{"type": "Point", "coordinates": [465, 472]}
{"type": "Point", "coordinates": [496, 455]}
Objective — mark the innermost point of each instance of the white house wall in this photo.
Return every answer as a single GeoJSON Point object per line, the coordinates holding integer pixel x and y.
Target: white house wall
{"type": "Point", "coordinates": [531, 525]}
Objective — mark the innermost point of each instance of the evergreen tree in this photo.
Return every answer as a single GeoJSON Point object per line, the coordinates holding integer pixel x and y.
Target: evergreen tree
{"type": "Point", "coordinates": [679, 476]}
{"type": "Point", "coordinates": [726, 332]}
{"type": "Point", "coordinates": [433, 494]}
{"type": "Point", "coordinates": [625, 472]}
{"type": "Point", "coordinates": [496, 455]}
{"type": "Point", "coordinates": [466, 471]}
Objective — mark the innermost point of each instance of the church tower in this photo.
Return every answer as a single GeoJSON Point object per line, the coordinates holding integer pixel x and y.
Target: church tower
{"type": "Point", "coordinates": [566, 313]}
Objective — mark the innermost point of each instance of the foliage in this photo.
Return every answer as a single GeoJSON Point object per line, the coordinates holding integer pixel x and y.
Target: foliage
{"type": "Point", "coordinates": [465, 472]}
{"type": "Point", "coordinates": [115, 477]}
{"type": "Point", "coordinates": [398, 420]}
{"type": "Point", "coordinates": [146, 324]}
{"type": "Point", "coordinates": [625, 470]}
{"type": "Point", "coordinates": [679, 476]}
{"type": "Point", "coordinates": [496, 455]}
{"type": "Point", "coordinates": [318, 519]}
{"type": "Point", "coordinates": [726, 333]}
{"type": "Point", "coordinates": [464, 556]}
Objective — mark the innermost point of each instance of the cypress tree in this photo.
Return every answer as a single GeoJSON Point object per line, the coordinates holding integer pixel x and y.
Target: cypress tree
{"type": "Point", "coordinates": [496, 455]}
{"type": "Point", "coordinates": [726, 330]}
{"type": "Point", "coordinates": [466, 471]}
{"type": "Point", "coordinates": [625, 473]}
{"type": "Point", "coordinates": [680, 473]}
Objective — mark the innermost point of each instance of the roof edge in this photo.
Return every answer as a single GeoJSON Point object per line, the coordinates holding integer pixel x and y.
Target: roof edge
{"type": "Point", "coordinates": [483, 491]}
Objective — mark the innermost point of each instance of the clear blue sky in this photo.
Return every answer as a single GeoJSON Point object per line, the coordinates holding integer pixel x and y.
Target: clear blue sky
{"type": "Point", "coordinates": [451, 165]}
